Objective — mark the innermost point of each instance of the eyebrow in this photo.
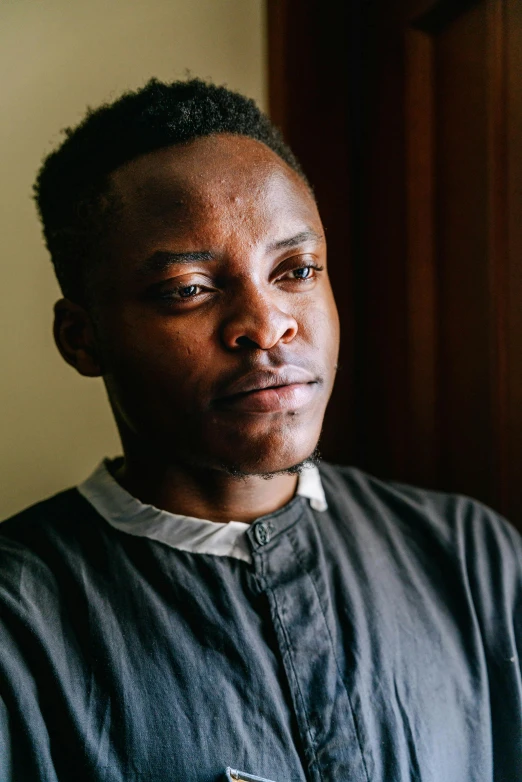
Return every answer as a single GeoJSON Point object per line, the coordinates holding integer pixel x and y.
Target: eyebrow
{"type": "Point", "coordinates": [295, 241]}
{"type": "Point", "coordinates": [162, 260]}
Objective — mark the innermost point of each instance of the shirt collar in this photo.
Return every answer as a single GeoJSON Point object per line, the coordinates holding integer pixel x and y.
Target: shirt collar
{"type": "Point", "coordinates": [198, 536]}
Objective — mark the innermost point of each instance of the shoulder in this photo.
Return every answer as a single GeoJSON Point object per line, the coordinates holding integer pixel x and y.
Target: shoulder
{"type": "Point", "coordinates": [450, 514]}
{"type": "Point", "coordinates": [44, 517]}
{"type": "Point", "coordinates": [36, 542]}
{"type": "Point", "coordinates": [484, 547]}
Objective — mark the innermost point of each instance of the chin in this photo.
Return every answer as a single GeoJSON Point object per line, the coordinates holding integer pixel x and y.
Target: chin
{"type": "Point", "coordinates": [240, 472]}
{"type": "Point", "coordinates": [270, 457]}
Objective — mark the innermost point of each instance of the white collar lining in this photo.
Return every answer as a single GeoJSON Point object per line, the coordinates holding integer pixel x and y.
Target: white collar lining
{"type": "Point", "coordinates": [199, 536]}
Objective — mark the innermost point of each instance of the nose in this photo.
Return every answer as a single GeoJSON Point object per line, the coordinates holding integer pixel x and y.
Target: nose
{"type": "Point", "coordinates": [257, 322]}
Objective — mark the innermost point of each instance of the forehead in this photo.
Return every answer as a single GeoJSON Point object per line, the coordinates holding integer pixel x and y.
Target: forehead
{"type": "Point", "coordinates": [210, 188]}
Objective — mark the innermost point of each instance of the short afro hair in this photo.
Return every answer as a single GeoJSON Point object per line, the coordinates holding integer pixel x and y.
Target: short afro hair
{"type": "Point", "coordinates": [73, 181]}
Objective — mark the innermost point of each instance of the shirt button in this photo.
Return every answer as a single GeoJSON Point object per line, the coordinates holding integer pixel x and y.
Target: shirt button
{"type": "Point", "coordinates": [263, 532]}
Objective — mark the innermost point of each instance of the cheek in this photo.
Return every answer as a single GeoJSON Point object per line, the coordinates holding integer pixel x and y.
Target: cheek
{"type": "Point", "coordinates": [320, 326]}
{"type": "Point", "coordinates": [157, 353]}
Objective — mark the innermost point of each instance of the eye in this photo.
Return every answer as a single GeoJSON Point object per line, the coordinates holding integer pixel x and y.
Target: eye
{"type": "Point", "coordinates": [305, 273]}
{"type": "Point", "coordinates": [181, 293]}
{"type": "Point", "coordinates": [188, 291]}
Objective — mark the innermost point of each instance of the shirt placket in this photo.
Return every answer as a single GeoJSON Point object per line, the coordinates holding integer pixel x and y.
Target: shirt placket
{"type": "Point", "coordinates": [287, 557]}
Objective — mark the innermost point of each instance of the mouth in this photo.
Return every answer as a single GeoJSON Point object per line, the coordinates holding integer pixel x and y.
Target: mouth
{"type": "Point", "coordinates": [271, 400]}
{"type": "Point", "coordinates": [269, 392]}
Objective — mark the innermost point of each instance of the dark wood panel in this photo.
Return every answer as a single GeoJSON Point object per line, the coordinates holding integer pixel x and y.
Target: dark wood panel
{"type": "Point", "coordinates": [437, 17]}
{"type": "Point", "coordinates": [467, 328]}
{"type": "Point", "coordinates": [311, 100]}
{"type": "Point", "coordinates": [422, 289]}
{"type": "Point", "coordinates": [512, 325]}
{"type": "Point", "coordinates": [418, 106]}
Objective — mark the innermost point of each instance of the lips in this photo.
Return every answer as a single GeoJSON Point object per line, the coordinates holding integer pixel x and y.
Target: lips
{"type": "Point", "coordinates": [269, 391]}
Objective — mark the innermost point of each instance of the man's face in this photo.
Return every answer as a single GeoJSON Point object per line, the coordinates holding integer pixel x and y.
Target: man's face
{"type": "Point", "coordinates": [216, 323]}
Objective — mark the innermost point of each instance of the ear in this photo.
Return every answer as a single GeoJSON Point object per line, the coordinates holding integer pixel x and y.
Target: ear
{"type": "Point", "coordinates": [74, 337]}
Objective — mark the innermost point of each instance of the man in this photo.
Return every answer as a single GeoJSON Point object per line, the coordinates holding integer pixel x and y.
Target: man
{"type": "Point", "coordinates": [215, 598]}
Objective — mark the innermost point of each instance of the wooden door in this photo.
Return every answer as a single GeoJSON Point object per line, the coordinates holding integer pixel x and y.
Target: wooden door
{"type": "Point", "coordinates": [464, 291]}
{"type": "Point", "coordinates": [408, 117]}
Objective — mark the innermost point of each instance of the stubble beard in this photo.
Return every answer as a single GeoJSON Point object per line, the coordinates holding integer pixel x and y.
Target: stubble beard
{"type": "Point", "coordinates": [235, 471]}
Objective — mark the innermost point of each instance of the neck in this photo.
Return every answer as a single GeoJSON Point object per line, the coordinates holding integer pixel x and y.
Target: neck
{"type": "Point", "coordinates": [203, 493]}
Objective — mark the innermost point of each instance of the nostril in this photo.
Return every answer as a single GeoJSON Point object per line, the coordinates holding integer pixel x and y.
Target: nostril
{"type": "Point", "coordinates": [258, 330]}
{"type": "Point", "coordinates": [246, 342]}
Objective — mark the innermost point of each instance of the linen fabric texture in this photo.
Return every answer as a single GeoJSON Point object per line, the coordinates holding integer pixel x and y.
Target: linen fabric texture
{"type": "Point", "coordinates": [376, 641]}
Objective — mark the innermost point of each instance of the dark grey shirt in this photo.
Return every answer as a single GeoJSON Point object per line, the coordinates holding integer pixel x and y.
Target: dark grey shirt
{"type": "Point", "coordinates": [377, 641]}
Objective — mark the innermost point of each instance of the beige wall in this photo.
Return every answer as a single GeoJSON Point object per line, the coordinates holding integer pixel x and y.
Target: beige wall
{"type": "Point", "coordinates": [56, 57]}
